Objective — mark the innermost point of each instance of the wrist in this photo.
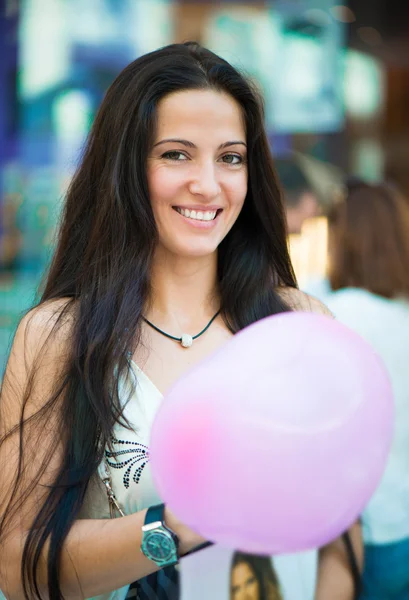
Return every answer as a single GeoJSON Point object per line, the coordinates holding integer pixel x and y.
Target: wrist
{"type": "Point", "coordinates": [188, 539]}
{"type": "Point", "coordinates": [159, 542]}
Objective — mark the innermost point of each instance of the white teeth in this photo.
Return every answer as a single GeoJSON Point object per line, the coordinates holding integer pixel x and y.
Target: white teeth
{"type": "Point", "coordinates": [197, 215]}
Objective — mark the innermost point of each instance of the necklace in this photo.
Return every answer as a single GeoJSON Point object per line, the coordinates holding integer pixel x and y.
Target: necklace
{"type": "Point", "coordinates": [186, 340]}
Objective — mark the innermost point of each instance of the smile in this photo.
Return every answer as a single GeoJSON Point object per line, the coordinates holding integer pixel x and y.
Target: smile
{"type": "Point", "coordinates": [198, 215]}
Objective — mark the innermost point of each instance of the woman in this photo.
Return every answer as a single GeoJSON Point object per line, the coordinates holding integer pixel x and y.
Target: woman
{"type": "Point", "coordinates": [369, 272]}
{"type": "Point", "coordinates": [253, 578]}
{"type": "Point", "coordinates": [173, 229]}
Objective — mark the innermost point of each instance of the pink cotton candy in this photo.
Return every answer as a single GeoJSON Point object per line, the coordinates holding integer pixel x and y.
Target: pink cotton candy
{"type": "Point", "coordinates": [276, 442]}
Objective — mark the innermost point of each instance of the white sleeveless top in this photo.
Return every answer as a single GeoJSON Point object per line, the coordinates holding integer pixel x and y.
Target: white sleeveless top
{"type": "Point", "coordinates": [134, 490]}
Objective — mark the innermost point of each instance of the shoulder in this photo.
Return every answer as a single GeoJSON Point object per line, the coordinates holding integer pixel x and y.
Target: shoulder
{"type": "Point", "coordinates": [39, 354]}
{"type": "Point", "coordinates": [46, 315]}
{"type": "Point", "coordinates": [52, 316]}
{"type": "Point", "coordinates": [45, 329]}
{"type": "Point", "coordinates": [300, 301]}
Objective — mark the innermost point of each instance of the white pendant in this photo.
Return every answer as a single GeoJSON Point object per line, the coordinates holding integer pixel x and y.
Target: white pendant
{"type": "Point", "coordinates": [186, 340]}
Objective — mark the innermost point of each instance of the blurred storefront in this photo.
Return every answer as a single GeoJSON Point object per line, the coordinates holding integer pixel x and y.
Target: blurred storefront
{"type": "Point", "coordinates": [334, 77]}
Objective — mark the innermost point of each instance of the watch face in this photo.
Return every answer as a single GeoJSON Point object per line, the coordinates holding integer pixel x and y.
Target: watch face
{"type": "Point", "coordinates": [159, 546]}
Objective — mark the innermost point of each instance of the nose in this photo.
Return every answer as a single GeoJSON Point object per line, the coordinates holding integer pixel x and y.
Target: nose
{"type": "Point", "coordinates": [205, 182]}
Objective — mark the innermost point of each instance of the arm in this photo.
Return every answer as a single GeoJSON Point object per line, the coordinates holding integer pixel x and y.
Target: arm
{"type": "Point", "coordinates": [335, 579]}
{"type": "Point", "coordinates": [99, 555]}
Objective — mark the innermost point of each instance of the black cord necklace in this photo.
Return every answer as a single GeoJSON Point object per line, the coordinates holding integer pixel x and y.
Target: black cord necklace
{"type": "Point", "coordinates": [186, 340]}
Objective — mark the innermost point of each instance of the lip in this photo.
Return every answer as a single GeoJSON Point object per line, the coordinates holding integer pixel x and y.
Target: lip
{"type": "Point", "coordinates": [202, 208]}
{"type": "Point", "coordinates": [199, 224]}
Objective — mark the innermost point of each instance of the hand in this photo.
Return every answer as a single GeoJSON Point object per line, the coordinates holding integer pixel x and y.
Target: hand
{"type": "Point", "coordinates": [188, 539]}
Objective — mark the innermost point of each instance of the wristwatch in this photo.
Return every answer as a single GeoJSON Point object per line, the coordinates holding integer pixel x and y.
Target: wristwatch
{"type": "Point", "coordinates": [159, 543]}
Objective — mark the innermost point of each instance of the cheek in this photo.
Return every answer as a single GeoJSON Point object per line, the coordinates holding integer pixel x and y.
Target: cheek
{"type": "Point", "coordinates": [164, 185]}
{"type": "Point", "coordinates": [237, 190]}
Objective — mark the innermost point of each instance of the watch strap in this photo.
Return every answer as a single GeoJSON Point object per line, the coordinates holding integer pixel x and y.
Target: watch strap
{"type": "Point", "coordinates": [154, 514]}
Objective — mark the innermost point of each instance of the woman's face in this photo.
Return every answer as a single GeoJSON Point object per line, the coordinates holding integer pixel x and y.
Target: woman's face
{"type": "Point", "coordinates": [244, 585]}
{"type": "Point", "coordinates": [197, 170]}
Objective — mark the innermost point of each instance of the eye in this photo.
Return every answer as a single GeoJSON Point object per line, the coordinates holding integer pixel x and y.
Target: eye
{"type": "Point", "coordinates": [174, 155]}
{"type": "Point", "coordinates": [232, 159]}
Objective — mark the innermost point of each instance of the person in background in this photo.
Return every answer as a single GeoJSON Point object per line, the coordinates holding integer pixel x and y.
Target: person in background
{"type": "Point", "coordinates": [369, 273]}
{"type": "Point", "coordinates": [253, 578]}
{"type": "Point", "coordinates": [300, 200]}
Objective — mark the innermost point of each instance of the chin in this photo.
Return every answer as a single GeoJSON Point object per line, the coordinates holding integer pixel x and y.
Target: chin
{"type": "Point", "coordinates": [199, 253]}
{"type": "Point", "coordinates": [195, 250]}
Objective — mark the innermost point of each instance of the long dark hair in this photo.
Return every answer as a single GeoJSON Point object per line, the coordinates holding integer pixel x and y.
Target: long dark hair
{"type": "Point", "coordinates": [101, 266]}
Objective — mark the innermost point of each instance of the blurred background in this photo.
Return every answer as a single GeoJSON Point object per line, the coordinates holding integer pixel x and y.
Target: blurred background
{"type": "Point", "coordinates": [334, 77]}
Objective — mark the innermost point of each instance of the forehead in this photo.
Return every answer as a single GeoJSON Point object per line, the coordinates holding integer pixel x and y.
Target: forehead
{"type": "Point", "coordinates": [243, 569]}
{"type": "Point", "coordinates": [195, 113]}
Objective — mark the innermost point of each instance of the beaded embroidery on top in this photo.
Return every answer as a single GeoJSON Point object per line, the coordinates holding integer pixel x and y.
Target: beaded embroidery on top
{"type": "Point", "coordinates": [133, 454]}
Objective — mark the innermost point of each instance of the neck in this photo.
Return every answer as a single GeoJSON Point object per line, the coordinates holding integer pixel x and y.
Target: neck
{"type": "Point", "coordinates": [184, 291]}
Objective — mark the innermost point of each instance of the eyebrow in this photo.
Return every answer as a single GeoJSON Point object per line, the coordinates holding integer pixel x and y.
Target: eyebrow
{"type": "Point", "coordinates": [192, 145]}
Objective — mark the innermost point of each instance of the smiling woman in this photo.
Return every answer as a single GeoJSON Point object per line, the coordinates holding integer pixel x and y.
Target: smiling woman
{"type": "Point", "coordinates": [173, 239]}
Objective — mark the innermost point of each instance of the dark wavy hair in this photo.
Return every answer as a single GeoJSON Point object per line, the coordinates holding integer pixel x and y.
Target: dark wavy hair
{"type": "Point", "coordinates": [102, 263]}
